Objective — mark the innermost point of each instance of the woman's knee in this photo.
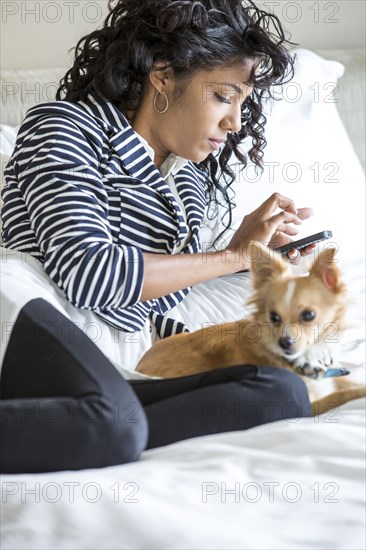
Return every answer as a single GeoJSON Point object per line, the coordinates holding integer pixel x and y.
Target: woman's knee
{"type": "Point", "coordinates": [132, 428]}
{"type": "Point", "coordinates": [118, 433]}
{"type": "Point", "coordinates": [290, 394]}
{"type": "Point", "coordinates": [257, 395]}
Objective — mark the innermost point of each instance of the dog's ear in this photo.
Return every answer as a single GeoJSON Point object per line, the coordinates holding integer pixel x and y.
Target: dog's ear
{"type": "Point", "coordinates": [265, 263]}
{"type": "Point", "coordinates": [325, 268]}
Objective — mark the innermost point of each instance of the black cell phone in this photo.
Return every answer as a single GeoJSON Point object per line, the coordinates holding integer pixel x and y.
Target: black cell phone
{"type": "Point", "coordinates": [303, 243]}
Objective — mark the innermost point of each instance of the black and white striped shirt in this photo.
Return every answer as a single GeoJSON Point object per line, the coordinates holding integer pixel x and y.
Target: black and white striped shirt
{"type": "Point", "coordinates": [84, 197]}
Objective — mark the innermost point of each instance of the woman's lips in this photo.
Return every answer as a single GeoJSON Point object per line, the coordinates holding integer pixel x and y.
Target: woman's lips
{"type": "Point", "coordinates": [216, 143]}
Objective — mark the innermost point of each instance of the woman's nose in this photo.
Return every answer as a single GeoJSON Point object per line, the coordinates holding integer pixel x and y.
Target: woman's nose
{"type": "Point", "coordinates": [232, 122]}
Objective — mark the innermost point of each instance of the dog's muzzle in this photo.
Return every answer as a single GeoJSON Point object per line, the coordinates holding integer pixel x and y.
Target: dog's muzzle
{"type": "Point", "coordinates": [286, 343]}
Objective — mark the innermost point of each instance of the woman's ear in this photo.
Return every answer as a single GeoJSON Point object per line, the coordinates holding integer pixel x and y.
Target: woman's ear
{"type": "Point", "coordinates": [161, 77]}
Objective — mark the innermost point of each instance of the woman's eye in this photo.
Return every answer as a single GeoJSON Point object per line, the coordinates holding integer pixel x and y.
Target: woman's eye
{"type": "Point", "coordinates": [274, 318]}
{"type": "Point", "coordinates": [222, 98]}
{"type": "Point", "coordinates": [307, 315]}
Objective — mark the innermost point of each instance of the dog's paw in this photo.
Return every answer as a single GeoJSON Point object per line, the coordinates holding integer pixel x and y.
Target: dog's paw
{"type": "Point", "coordinates": [315, 362]}
{"type": "Point", "coordinates": [311, 371]}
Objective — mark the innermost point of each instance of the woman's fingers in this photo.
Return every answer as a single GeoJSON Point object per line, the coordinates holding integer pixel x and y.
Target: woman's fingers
{"type": "Point", "coordinates": [287, 205]}
{"type": "Point", "coordinates": [294, 256]}
{"type": "Point", "coordinates": [305, 213]}
{"type": "Point", "coordinates": [308, 250]}
{"type": "Point", "coordinates": [278, 201]}
{"type": "Point", "coordinates": [274, 229]}
{"type": "Point", "coordinates": [287, 229]}
{"type": "Point", "coordinates": [282, 218]}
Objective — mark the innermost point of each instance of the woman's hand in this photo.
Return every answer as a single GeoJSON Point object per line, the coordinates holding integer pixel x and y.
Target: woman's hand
{"type": "Point", "coordinates": [166, 273]}
{"type": "Point", "coordinates": [271, 229]}
{"type": "Point", "coordinates": [294, 256]}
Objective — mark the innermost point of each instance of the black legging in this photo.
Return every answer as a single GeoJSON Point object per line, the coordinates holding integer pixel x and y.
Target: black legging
{"type": "Point", "coordinates": [64, 406]}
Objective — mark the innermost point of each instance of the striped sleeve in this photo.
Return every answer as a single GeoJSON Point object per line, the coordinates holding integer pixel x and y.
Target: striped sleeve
{"type": "Point", "coordinates": [57, 172]}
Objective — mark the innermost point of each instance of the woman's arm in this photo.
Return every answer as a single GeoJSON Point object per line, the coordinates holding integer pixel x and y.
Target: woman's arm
{"type": "Point", "coordinates": [57, 184]}
{"type": "Point", "coordinates": [166, 274]}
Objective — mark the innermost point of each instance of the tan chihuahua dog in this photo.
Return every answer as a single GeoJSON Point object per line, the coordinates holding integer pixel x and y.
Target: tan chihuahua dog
{"type": "Point", "coordinates": [294, 325]}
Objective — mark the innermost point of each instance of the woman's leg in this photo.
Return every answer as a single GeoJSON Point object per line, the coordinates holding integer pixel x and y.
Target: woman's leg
{"type": "Point", "coordinates": [228, 399]}
{"type": "Point", "coordinates": [63, 405]}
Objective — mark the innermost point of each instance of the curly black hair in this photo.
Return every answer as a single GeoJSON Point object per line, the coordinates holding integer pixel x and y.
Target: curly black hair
{"type": "Point", "coordinates": [188, 36]}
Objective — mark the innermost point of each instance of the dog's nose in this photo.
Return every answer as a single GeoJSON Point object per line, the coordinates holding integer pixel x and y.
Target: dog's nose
{"type": "Point", "coordinates": [286, 342]}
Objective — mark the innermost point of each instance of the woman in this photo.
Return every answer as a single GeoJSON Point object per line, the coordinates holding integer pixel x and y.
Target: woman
{"type": "Point", "coordinates": [107, 188]}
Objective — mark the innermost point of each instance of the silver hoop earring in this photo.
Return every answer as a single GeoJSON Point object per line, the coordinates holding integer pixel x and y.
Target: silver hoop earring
{"type": "Point", "coordinates": [166, 101]}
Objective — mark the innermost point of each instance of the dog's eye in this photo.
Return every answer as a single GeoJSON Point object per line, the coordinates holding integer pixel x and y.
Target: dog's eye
{"type": "Point", "coordinates": [274, 318]}
{"type": "Point", "coordinates": [307, 315]}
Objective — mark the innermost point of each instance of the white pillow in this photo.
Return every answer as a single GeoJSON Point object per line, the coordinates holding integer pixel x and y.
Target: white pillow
{"type": "Point", "coordinates": [309, 158]}
{"type": "Point", "coordinates": [8, 136]}
{"type": "Point", "coordinates": [21, 89]}
{"type": "Point", "coordinates": [3, 162]}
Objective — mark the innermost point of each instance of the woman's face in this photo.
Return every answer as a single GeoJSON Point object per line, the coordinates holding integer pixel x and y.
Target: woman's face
{"type": "Point", "coordinates": [199, 121]}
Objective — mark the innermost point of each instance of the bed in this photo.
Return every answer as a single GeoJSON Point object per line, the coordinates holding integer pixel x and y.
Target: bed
{"type": "Point", "coordinates": [296, 484]}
